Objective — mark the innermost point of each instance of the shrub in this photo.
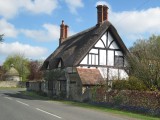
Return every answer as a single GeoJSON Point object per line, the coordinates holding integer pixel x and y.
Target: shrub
{"type": "Point", "coordinates": [98, 93]}
{"type": "Point", "coordinates": [120, 85]}
{"type": "Point", "coordinates": [136, 84]}
{"type": "Point", "coordinates": [118, 99]}
{"type": "Point", "coordinates": [132, 83]}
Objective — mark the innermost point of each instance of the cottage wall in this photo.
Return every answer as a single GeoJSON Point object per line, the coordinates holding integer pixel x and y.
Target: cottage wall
{"type": "Point", "coordinates": [107, 56]}
{"type": "Point", "coordinates": [74, 84]}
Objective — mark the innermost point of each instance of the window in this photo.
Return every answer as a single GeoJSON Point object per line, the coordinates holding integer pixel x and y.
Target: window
{"type": "Point", "coordinates": [119, 61]}
{"type": "Point", "coordinates": [93, 59]}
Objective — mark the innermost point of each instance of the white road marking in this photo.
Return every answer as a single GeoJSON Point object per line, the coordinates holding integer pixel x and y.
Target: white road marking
{"type": "Point", "coordinates": [8, 98]}
{"type": "Point", "coordinates": [48, 113]}
{"type": "Point", "coordinates": [22, 103]}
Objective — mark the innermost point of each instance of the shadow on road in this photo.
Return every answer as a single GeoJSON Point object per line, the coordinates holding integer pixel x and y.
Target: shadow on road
{"type": "Point", "coordinates": [23, 94]}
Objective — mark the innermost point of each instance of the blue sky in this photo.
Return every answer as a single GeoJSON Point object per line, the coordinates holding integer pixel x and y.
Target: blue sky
{"type": "Point", "coordinates": [31, 27]}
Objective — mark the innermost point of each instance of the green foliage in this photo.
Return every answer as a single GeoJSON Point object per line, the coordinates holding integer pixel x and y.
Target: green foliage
{"type": "Point", "coordinates": [132, 83]}
{"type": "Point", "coordinates": [20, 63]}
{"type": "Point", "coordinates": [98, 93]}
{"type": "Point", "coordinates": [120, 85]}
{"type": "Point", "coordinates": [54, 74]}
{"type": "Point", "coordinates": [1, 38]}
{"type": "Point", "coordinates": [118, 99]}
{"type": "Point", "coordinates": [144, 61]}
{"type": "Point", "coordinates": [136, 84]}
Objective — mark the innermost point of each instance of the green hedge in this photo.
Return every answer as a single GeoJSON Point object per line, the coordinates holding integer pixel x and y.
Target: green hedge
{"type": "Point", "coordinates": [131, 84]}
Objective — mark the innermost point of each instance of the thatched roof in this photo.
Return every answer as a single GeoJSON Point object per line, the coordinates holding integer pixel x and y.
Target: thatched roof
{"type": "Point", "coordinates": [12, 72]}
{"type": "Point", "coordinates": [74, 48]}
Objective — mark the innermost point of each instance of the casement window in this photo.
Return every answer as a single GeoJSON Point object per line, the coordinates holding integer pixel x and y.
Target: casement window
{"type": "Point", "coordinates": [118, 61]}
{"type": "Point", "coordinates": [93, 59]}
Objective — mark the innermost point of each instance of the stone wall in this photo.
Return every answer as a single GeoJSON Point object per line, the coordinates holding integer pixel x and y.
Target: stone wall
{"type": "Point", "coordinates": [38, 86]}
{"type": "Point", "coordinates": [12, 84]}
{"type": "Point", "coordinates": [52, 89]}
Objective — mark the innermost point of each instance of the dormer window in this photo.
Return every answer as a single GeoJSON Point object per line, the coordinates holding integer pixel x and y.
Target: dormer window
{"type": "Point", "coordinates": [60, 64]}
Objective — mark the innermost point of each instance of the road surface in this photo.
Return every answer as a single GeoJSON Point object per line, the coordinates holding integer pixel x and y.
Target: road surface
{"type": "Point", "coordinates": [15, 106]}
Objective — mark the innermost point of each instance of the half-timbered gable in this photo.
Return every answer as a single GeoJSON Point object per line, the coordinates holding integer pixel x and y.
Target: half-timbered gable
{"type": "Point", "coordinates": [106, 52]}
{"type": "Point", "coordinates": [98, 49]}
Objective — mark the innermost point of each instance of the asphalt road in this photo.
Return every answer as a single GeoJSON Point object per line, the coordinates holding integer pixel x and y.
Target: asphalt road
{"type": "Point", "coordinates": [15, 106]}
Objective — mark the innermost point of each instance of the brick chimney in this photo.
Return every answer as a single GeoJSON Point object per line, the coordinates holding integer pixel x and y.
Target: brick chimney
{"type": "Point", "coordinates": [63, 32]}
{"type": "Point", "coordinates": [102, 13]}
{"type": "Point", "coordinates": [105, 13]}
{"type": "Point", "coordinates": [66, 31]}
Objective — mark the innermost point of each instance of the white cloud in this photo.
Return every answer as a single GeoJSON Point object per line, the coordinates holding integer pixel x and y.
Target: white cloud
{"type": "Point", "coordinates": [74, 4]}
{"type": "Point", "coordinates": [48, 33]}
{"type": "Point", "coordinates": [103, 3]}
{"type": "Point", "coordinates": [136, 24]}
{"type": "Point", "coordinates": [41, 6]}
{"type": "Point", "coordinates": [7, 29]}
{"type": "Point", "coordinates": [10, 8]}
{"type": "Point", "coordinates": [19, 48]}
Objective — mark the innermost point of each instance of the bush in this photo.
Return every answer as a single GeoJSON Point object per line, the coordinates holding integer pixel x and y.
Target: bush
{"type": "Point", "coordinates": [120, 85]}
{"type": "Point", "coordinates": [136, 84]}
{"type": "Point", "coordinates": [118, 99]}
{"type": "Point", "coordinates": [132, 83]}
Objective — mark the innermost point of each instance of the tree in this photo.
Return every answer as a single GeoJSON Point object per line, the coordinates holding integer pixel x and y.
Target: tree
{"type": "Point", "coordinates": [34, 68]}
{"type": "Point", "coordinates": [1, 38]}
{"type": "Point", "coordinates": [20, 63]}
{"type": "Point", "coordinates": [144, 61]}
{"type": "Point", "coordinates": [2, 72]}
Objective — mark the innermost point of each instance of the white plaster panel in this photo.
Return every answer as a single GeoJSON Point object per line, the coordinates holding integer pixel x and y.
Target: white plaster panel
{"type": "Point", "coordinates": [103, 72]}
{"type": "Point", "coordinates": [123, 74]}
{"type": "Point", "coordinates": [90, 57]}
{"type": "Point", "coordinates": [102, 57]}
{"type": "Point", "coordinates": [96, 59]}
{"type": "Point", "coordinates": [104, 37]}
{"type": "Point", "coordinates": [110, 58]}
{"type": "Point", "coordinates": [99, 44]}
{"type": "Point", "coordinates": [94, 51]}
{"type": "Point", "coordinates": [84, 61]}
{"type": "Point", "coordinates": [113, 73]}
{"type": "Point", "coordinates": [110, 39]}
{"type": "Point", "coordinates": [114, 45]}
{"type": "Point", "coordinates": [118, 53]}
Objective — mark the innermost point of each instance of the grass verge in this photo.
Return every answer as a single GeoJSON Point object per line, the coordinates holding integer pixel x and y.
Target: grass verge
{"type": "Point", "coordinates": [11, 88]}
{"type": "Point", "coordinates": [95, 107]}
